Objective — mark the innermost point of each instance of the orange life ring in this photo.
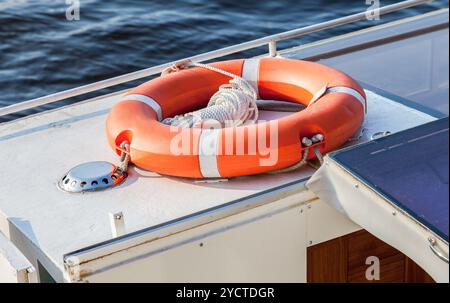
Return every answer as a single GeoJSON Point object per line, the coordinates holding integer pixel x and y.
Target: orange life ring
{"type": "Point", "coordinates": [337, 114]}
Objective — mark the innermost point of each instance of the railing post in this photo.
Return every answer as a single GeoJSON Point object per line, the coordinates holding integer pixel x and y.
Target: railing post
{"type": "Point", "coordinates": [273, 48]}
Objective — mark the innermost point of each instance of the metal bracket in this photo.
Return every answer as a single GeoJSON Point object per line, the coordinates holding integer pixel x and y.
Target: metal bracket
{"type": "Point", "coordinates": [117, 224]}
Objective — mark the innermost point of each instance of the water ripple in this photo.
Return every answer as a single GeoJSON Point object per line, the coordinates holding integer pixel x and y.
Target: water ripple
{"type": "Point", "coordinates": [42, 53]}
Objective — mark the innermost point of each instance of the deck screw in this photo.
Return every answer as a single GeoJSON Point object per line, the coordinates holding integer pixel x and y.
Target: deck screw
{"type": "Point", "coordinates": [394, 213]}
{"type": "Point", "coordinates": [356, 185]}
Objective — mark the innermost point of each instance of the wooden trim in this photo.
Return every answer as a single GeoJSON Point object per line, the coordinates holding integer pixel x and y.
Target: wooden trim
{"type": "Point", "coordinates": [343, 260]}
{"type": "Point", "coordinates": [329, 261]}
{"type": "Point", "coordinates": [415, 274]}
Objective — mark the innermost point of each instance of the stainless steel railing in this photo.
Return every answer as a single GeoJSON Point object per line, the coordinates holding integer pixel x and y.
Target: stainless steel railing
{"type": "Point", "coordinates": [271, 41]}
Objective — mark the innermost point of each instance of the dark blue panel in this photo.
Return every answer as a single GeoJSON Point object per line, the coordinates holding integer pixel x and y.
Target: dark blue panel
{"type": "Point", "coordinates": [410, 168]}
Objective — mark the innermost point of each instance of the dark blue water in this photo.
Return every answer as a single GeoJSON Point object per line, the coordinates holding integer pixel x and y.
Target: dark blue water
{"type": "Point", "coordinates": [41, 52]}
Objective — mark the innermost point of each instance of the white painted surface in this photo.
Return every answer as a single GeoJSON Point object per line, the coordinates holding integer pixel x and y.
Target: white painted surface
{"type": "Point", "coordinates": [264, 244]}
{"type": "Point", "coordinates": [14, 267]}
{"type": "Point", "coordinates": [39, 149]}
{"type": "Point", "coordinates": [325, 223]}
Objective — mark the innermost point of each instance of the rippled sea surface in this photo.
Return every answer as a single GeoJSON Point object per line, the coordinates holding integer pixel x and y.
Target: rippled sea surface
{"type": "Point", "coordinates": [41, 52]}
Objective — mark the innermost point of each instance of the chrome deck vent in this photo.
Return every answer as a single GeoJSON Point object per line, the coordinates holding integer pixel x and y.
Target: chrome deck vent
{"type": "Point", "coordinates": [91, 176]}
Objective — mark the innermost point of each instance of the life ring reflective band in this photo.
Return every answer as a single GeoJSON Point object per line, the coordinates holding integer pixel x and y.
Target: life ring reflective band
{"type": "Point", "coordinates": [337, 113]}
{"type": "Point", "coordinates": [147, 100]}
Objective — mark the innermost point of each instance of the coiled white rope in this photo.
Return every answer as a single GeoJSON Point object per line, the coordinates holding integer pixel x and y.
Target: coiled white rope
{"type": "Point", "coordinates": [234, 104]}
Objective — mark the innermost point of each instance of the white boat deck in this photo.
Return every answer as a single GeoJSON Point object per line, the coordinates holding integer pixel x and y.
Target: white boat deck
{"type": "Point", "coordinates": [40, 149]}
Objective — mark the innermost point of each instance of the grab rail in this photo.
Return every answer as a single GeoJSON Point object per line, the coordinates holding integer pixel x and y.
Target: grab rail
{"type": "Point", "coordinates": [270, 40]}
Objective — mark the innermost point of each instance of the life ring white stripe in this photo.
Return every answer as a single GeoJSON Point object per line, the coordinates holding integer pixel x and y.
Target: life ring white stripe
{"type": "Point", "coordinates": [349, 91]}
{"type": "Point", "coordinates": [250, 72]}
{"type": "Point", "coordinates": [207, 153]}
{"type": "Point", "coordinates": [147, 100]}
